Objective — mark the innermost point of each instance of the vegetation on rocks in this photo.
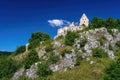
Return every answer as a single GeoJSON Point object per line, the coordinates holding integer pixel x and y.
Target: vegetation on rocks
{"type": "Point", "coordinates": [19, 50]}
{"type": "Point", "coordinates": [53, 58]}
{"type": "Point", "coordinates": [36, 38]}
{"type": "Point", "coordinates": [43, 70]}
{"type": "Point", "coordinates": [99, 53]}
{"type": "Point", "coordinates": [65, 50]}
{"type": "Point", "coordinates": [70, 37]}
{"type": "Point", "coordinates": [31, 58]}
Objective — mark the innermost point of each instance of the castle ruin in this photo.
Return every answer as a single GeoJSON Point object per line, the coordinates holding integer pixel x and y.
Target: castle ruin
{"type": "Point", "coordinates": [84, 22]}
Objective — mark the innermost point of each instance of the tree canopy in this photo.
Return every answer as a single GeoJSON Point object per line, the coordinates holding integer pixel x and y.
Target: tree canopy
{"type": "Point", "coordinates": [36, 38]}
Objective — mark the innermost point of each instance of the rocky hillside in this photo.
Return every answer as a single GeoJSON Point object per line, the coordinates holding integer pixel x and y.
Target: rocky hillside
{"type": "Point", "coordinates": [95, 48]}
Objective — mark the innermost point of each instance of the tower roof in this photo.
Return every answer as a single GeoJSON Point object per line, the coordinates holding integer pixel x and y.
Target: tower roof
{"type": "Point", "coordinates": [84, 15]}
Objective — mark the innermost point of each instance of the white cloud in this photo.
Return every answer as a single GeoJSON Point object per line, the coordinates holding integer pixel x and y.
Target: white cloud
{"type": "Point", "coordinates": [58, 23]}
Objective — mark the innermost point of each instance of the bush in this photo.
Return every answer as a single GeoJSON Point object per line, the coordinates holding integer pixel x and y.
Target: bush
{"type": "Point", "coordinates": [43, 70]}
{"type": "Point", "coordinates": [78, 58]}
{"type": "Point", "coordinates": [111, 47]}
{"type": "Point", "coordinates": [20, 49]}
{"type": "Point", "coordinates": [113, 71]}
{"type": "Point", "coordinates": [99, 53]}
{"type": "Point", "coordinates": [70, 37]}
{"type": "Point", "coordinates": [118, 44]}
{"type": "Point", "coordinates": [117, 53]}
{"type": "Point", "coordinates": [24, 78]}
{"type": "Point", "coordinates": [53, 58]}
{"type": "Point", "coordinates": [110, 31]}
{"type": "Point", "coordinates": [8, 67]}
{"type": "Point", "coordinates": [83, 42]}
{"type": "Point", "coordinates": [36, 38]}
{"type": "Point", "coordinates": [34, 44]}
{"type": "Point", "coordinates": [31, 58]}
{"type": "Point", "coordinates": [65, 50]}
{"type": "Point", "coordinates": [49, 48]}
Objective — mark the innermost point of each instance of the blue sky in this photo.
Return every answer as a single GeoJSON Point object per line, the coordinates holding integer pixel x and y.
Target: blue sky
{"type": "Point", "coordinates": [20, 18]}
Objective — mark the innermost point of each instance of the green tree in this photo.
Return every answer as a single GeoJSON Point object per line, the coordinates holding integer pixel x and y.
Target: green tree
{"type": "Point", "coordinates": [97, 23]}
{"type": "Point", "coordinates": [70, 37]}
{"type": "Point", "coordinates": [117, 24]}
{"type": "Point", "coordinates": [36, 38]}
{"type": "Point", "coordinates": [31, 58]}
{"type": "Point", "coordinates": [110, 23]}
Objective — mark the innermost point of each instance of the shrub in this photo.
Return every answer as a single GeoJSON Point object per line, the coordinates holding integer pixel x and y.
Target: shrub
{"type": "Point", "coordinates": [24, 78]}
{"type": "Point", "coordinates": [8, 67]}
{"type": "Point", "coordinates": [20, 49]}
{"type": "Point", "coordinates": [118, 44]}
{"type": "Point", "coordinates": [70, 37]}
{"type": "Point", "coordinates": [34, 44]}
{"type": "Point", "coordinates": [110, 31]}
{"type": "Point", "coordinates": [78, 58]}
{"type": "Point", "coordinates": [36, 38]}
{"type": "Point", "coordinates": [53, 58]}
{"type": "Point", "coordinates": [43, 70]}
{"type": "Point", "coordinates": [49, 48]}
{"type": "Point", "coordinates": [64, 50]}
{"type": "Point", "coordinates": [83, 42]}
{"type": "Point", "coordinates": [117, 53]}
{"type": "Point", "coordinates": [111, 47]}
{"type": "Point", "coordinates": [31, 58]}
{"type": "Point", "coordinates": [99, 53]}
{"type": "Point", "coordinates": [113, 71]}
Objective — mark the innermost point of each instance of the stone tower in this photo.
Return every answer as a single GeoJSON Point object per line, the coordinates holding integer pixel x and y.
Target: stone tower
{"type": "Point", "coordinates": [84, 20]}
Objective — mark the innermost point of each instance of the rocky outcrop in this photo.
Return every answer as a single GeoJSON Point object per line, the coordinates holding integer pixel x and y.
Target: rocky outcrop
{"type": "Point", "coordinates": [41, 53]}
{"type": "Point", "coordinates": [67, 62]}
{"type": "Point", "coordinates": [30, 73]}
{"type": "Point", "coordinates": [18, 74]}
{"type": "Point", "coordinates": [93, 38]}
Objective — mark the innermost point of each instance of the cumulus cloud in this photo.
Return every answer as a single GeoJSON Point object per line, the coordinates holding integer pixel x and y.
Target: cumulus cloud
{"type": "Point", "coordinates": [58, 22]}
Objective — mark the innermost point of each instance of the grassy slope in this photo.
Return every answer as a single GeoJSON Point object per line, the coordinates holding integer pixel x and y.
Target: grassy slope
{"type": "Point", "coordinates": [85, 71]}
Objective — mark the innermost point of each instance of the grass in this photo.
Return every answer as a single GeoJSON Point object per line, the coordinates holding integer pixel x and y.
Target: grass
{"type": "Point", "coordinates": [85, 71]}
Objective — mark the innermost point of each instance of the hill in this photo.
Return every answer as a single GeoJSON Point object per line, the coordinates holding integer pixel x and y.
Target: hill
{"type": "Point", "coordinates": [92, 53]}
{"type": "Point", "coordinates": [2, 53]}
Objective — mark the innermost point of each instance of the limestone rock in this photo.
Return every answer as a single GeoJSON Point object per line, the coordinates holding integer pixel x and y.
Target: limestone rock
{"type": "Point", "coordinates": [57, 44]}
{"type": "Point", "coordinates": [31, 73]}
{"type": "Point", "coordinates": [18, 74]}
{"type": "Point", "coordinates": [41, 53]}
{"type": "Point", "coordinates": [68, 61]}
